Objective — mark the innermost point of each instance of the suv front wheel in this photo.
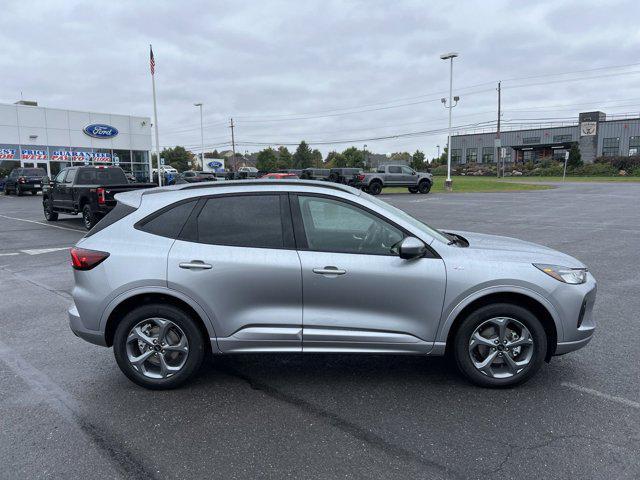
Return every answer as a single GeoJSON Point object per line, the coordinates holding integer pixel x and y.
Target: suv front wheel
{"type": "Point", "coordinates": [158, 346]}
{"type": "Point", "coordinates": [500, 345]}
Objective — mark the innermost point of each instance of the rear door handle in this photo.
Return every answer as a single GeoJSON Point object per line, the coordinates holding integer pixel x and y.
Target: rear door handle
{"type": "Point", "coordinates": [329, 271]}
{"type": "Point", "coordinates": [195, 265]}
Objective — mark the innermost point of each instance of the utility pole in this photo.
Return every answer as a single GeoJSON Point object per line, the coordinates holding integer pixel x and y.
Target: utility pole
{"type": "Point", "coordinates": [233, 147]}
{"type": "Point", "coordinates": [438, 151]}
{"type": "Point", "coordinates": [498, 141]}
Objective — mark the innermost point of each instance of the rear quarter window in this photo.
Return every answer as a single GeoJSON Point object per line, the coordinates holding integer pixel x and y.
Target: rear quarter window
{"type": "Point", "coordinates": [120, 211]}
{"type": "Point", "coordinates": [168, 222]}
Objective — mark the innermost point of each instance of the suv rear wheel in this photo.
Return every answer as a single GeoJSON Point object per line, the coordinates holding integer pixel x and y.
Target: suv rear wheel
{"type": "Point", "coordinates": [375, 188]}
{"type": "Point", "coordinates": [158, 346]}
{"type": "Point", "coordinates": [500, 345]}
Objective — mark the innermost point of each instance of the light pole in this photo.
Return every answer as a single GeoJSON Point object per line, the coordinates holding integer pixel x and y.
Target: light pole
{"type": "Point", "coordinates": [438, 150]}
{"type": "Point", "coordinates": [201, 135]}
{"type": "Point", "coordinates": [449, 56]}
{"type": "Point", "coordinates": [364, 155]}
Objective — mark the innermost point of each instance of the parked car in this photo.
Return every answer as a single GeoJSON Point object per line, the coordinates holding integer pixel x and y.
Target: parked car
{"type": "Point", "coordinates": [247, 172]}
{"type": "Point", "coordinates": [365, 276]}
{"type": "Point", "coordinates": [394, 176]}
{"type": "Point", "coordinates": [3, 180]}
{"type": "Point", "coordinates": [86, 190]}
{"type": "Point", "coordinates": [281, 176]}
{"type": "Point", "coordinates": [22, 180]}
{"type": "Point", "coordinates": [315, 174]}
{"type": "Point", "coordinates": [191, 176]}
{"type": "Point", "coordinates": [346, 176]}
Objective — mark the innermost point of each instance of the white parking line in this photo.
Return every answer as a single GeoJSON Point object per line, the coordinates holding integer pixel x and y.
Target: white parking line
{"type": "Point", "coordinates": [606, 396]}
{"type": "Point", "coordinates": [9, 254]}
{"type": "Point", "coordinates": [39, 251]}
{"type": "Point", "coordinates": [43, 224]}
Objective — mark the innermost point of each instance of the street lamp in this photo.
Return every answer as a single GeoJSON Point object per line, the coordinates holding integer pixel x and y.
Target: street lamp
{"type": "Point", "coordinates": [364, 155]}
{"type": "Point", "coordinates": [449, 56]}
{"type": "Point", "coordinates": [201, 135]}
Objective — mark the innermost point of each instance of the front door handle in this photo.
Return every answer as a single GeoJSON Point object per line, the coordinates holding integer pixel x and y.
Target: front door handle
{"type": "Point", "coordinates": [329, 271]}
{"type": "Point", "coordinates": [195, 265]}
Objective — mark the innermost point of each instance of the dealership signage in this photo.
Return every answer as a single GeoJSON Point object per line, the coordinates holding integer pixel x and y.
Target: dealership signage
{"type": "Point", "coordinates": [100, 130]}
{"type": "Point", "coordinates": [62, 155]}
{"type": "Point", "coordinates": [7, 153]}
{"type": "Point", "coordinates": [28, 154]}
{"type": "Point", "coordinates": [102, 157]}
{"type": "Point", "coordinates": [588, 129]}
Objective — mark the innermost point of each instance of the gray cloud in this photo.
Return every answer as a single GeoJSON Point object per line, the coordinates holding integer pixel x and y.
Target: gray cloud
{"type": "Point", "coordinates": [260, 61]}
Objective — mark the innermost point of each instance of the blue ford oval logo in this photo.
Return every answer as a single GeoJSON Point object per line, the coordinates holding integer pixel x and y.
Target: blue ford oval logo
{"type": "Point", "coordinates": [100, 130]}
{"type": "Point", "coordinates": [214, 164]}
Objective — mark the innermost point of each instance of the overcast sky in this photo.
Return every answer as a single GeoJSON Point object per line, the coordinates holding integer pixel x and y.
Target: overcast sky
{"type": "Point", "coordinates": [323, 71]}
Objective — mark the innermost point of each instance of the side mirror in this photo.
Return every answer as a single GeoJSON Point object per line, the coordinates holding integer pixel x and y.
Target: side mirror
{"type": "Point", "coordinates": [411, 247]}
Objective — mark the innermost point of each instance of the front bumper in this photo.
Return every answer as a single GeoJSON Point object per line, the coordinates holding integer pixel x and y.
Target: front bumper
{"type": "Point", "coordinates": [77, 327]}
{"type": "Point", "coordinates": [576, 304]}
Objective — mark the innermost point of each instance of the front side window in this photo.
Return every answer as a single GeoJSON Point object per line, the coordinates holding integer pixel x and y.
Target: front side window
{"type": "Point", "coordinates": [395, 169]}
{"type": "Point", "coordinates": [335, 226]}
{"type": "Point", "coordinates": [242, 221]}
{"type": "Point", "coordinates": [407, 171]}
{"type": "Point", "coordinates": [60, 176]}
{"type": "Point", "coordinates": [71, 176]}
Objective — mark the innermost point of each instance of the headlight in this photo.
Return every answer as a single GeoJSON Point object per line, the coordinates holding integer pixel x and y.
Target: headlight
{"type": "Point", "coordinates": [573, 276]}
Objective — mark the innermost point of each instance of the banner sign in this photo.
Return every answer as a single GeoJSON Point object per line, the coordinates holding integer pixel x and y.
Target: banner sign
{"type": "Point", "coordinates": [100, 130]}
{"type": "Point", "coordinates": [33, 154]}
{"type": "Point", "coordinates": [79, 156]}
{"type": "Point", "coordinates": [102, 157]}
{"type": "Point", "coordinates": [7, 153]}
{"type": "Point", "coordinates": [62, 155]}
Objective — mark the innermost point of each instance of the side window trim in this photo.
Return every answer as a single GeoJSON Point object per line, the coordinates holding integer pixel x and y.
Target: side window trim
{"type": "Point", "coordinates": [139, 225]}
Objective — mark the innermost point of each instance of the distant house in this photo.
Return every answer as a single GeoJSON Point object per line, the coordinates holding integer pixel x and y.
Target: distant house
{"type": "Point", "coordinates": [239, 161]}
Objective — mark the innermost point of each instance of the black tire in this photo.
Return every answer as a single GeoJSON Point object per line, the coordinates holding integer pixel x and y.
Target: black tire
{"type": "Point", "coordinates": [178, 317]}
{"type": "Point", "coordinates": [463, 335]}
{"type": "Point", "coordinates": [413, 190]}
{"type": "Point", "coordinates": [18, 191]}
{"type": "Point", "coordinates": [34, 192]}
{"type": "Point", "coordinates": [424, 186]}
{"type": "Point", "coordinates": [334, 177]}
{"type": "Point", "coordinates": [88, 218]}
{"type": "Point", "coordinates": [375, 188]}
{"type": "Point", "coordinates": [49, 214]}
{"type": "Point", "coordinates": [7, 191]}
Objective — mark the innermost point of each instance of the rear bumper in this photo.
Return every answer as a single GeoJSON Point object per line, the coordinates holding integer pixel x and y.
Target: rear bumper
{"type": "Point", "coordinates": [27, 187]}
{"type": "Point", "coordinates": [77, 327]}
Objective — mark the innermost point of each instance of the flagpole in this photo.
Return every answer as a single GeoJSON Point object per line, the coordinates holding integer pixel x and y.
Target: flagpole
{"type": "Point", "coordinates": [155, 120]}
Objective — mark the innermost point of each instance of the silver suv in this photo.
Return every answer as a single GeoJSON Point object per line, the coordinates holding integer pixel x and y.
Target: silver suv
{"type": "Point", "coordinates": [300, 266]}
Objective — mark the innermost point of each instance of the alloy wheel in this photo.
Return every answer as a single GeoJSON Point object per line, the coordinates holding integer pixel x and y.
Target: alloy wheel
{"type": "Point", "coordinates": [501, 347]}
{"type": "Point", "coordinates": [157, 348]}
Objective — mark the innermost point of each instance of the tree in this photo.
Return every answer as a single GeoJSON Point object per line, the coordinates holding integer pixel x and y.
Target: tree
{"type": "Point", "coordinates": [441, 160]}
{"type": "Point", "coordinates": [335, 160]}
{"type": "Point", "coordinates": [267, 160]}
{"type": "Point", "coordinates": [575, 158]}
{"type": "Point", "coordinates": [178, 157]}
{"type": "Point", "coordinates": [417, 161]}
{"type": "Point", "coordinates": [303, 157]}
{"type": "Point", "coordinates": [403, 157]}
{"type": "Point", "coordinates": [353, 157]}
{"type": "Point", "coordinates": [316, 158]}
{"type": "Point", "coordinates": [214, 154]}
{"type": "Point", "coordinates": [284, 158]}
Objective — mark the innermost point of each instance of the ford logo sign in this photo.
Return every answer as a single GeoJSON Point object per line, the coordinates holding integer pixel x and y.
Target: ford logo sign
{"type": "Point", "coordinates": [214, 164]}
{"type": "Point", "coordinates": [99, 130]}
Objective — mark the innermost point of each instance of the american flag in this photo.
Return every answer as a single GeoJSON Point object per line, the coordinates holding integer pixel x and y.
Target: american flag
{"type": "Point", "coordinates": [152, 62]}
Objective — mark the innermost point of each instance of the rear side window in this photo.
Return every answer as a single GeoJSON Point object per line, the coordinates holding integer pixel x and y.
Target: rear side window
{"type": "Point", "coordinates": [168, 222]}
{"type": "Point", "coordinates": [120, 211]}
{"type": "Point", "coordinates": [242, 221]}
{"type": "Point", "coordinates": [100, 176]}
{"type": "Point", "coordinates": [70, 176]}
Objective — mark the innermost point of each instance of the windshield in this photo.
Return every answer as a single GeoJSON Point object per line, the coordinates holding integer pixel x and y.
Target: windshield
{"type": "Point", "coordinates": [100, 176]}
{"type": "Point", "coordinates": [408, 218]}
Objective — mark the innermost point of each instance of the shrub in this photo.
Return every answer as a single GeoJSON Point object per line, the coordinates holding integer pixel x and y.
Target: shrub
{"type": "Point", "coordinates": [595, 169]}
{"type": "Point", "coordinates": [621, 163]}
{"type": "Point", "coordinates": [440, 170]}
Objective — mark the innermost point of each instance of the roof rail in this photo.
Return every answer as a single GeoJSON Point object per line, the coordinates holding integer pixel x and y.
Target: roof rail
{"type": "Point", "coordinates": [232, 183]}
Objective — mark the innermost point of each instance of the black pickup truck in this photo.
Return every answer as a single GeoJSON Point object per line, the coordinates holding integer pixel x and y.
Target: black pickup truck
{"type": "Point", "coordinates": [86, 190]}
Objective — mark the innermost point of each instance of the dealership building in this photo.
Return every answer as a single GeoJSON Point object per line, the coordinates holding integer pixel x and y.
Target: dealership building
{"type": "Point", "coordinates": [51, 138]}
{"type": "Point", "coordinates": [593, 133]}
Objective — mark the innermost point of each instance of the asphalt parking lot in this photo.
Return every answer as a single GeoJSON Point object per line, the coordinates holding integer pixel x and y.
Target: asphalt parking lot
{"type": "Point", "coordinates": [67, 411]}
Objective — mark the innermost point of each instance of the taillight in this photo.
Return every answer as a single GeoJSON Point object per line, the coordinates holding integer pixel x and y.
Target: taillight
{"type": "Point", "coordinates": [360, 178]}
{"type": "Point", "coordinates": [84, 259]}
{"type": "Point", "coordinates": [22, 180]}
{"type": "Point", "coordinates": [100, 192]}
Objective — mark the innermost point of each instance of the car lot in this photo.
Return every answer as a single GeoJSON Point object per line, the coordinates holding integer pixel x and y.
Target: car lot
{"type": "Point", "coordinates": [65, 408]}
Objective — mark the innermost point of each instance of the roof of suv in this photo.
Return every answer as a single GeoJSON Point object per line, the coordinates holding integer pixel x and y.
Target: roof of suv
{"type": "Point", "coordinates": [258, 182]}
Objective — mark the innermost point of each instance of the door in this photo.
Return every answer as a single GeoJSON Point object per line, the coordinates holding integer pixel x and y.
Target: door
{"type": "Point", "coordinates": [408, 176]}
{"type": "Point", "coordinates": [58, 190]}
{"type": "Point", "coordinates": [66, 190]}
{"type": "Point", "coordinates": [236, 258]}
{"type": "Point", "coordinates": [394, 175]}
{"type": "Point", "coordinates": [358, 294]}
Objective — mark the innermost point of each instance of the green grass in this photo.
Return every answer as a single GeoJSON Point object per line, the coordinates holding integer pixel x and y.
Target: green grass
{"type": "Point", "coordinates": [475, 184]}
{"type": "Point", "coordinates": [573, 179]}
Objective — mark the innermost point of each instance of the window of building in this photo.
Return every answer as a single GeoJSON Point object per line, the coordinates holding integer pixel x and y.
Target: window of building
{"type": "Point", "coordinates": [527, 155]}
{"type": "Point", "coordinates": [334, 226]}
{"type": "Point", "coordinates": [528, 140]}
{"type": "Point", "coordinates": [507, 155]}
{"type": "Point", "coordinates": [611, 147]}
{"type": "Point", "coordinates": [121, 157]}
{"type": "Point", "coordinates": [456, 155]}
{"type": "Point", "coordinates": [242, 221]}
{"type": "Point", "coordinates": [562, 138]}
{"type": "Point", "coordinates": [487, 154]}
{"type": "Point", "coordinates": [472, 155]}
{"type": "Point", "coordinates": [634, 146]}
